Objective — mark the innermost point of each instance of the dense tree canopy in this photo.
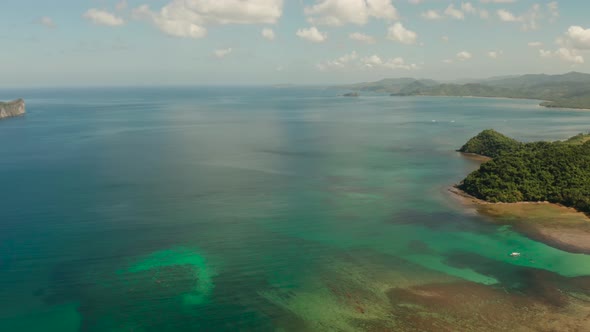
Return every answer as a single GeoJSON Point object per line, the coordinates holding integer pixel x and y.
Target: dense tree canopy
{"type": "Point", "coordinates": [557, 172]}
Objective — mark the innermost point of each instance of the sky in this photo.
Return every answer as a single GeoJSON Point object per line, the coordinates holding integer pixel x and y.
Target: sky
{"type": "Point", "coordinates": [258, 42]}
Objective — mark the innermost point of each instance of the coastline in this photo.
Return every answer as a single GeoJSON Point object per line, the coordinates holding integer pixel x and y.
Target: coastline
{"type": "Point", "coordinates": [542, 101]}
{"type": "Point", "coordinates": [553, 224]}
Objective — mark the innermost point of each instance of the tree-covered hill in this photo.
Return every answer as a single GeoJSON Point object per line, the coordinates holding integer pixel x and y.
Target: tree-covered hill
{"type": "Point", "coordinates": [558, 172]}
{"type": "Point", "coordinates": [490, 143]}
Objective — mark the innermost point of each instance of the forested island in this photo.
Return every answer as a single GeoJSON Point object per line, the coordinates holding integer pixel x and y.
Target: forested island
{"type": "Point", "coordinates": [12, 108]}
{"type": "Point", "coordinates": [556, 172]}
{"type": "Point", "coordinates": [570, 90]}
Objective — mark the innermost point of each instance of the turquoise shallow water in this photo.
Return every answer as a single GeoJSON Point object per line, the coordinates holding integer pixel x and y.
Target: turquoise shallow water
{"type": "Point", "coordinates": [215, 209]}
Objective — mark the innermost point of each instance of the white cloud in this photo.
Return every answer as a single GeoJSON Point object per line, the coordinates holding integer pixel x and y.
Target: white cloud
{"type": "Point", "coordinates": [578, 37]}
{"type": "Point", "coordinates": [467, 7]}
{"type": "Point", "coordinates": [459, 13]}
{"type": "Point", "coordinates": [530, 19]}
{"type": "Point", "coordinates": [338, 63]}
{"type": "Point", "coordinates": [445, 39]}
{"type": "Point", "coordinates": [448, 61]}
{"type": "Point", "coordinates": [352, 61]}
{"type": "Point", "coordinates": [497, 1]}
{"type": "Point", "coordinates": [362, 37]}
{"type": "Point", "coordinates": [222, 53]}
{"type": "Point", "coordinates": [453, 12]}
{"type": "Point", "coordinates": [398, 33]}
{"type": "Point", "coordinates": [415, 2]}
{"type": "Point", "coordinates": [464, 56]}
{"type": "Point", "coordinates": [431, 15]}
{"type": "Point", "coordinates": [340, 12]}
{"type": "Point", "coordinates": [545, 54]}
{"type": "Point", "coordinates": [312, 34]}
{"type": "Point", "coordinates": [535, 44]}
{"type": "Point", "coordinates": [102, 17]}
{"type": "Point", "coordinates": [375, 61]}
{"type": "Point", "coordinates": [568, 55]}
{"type": "Point", "coordinates": [553, 8]}
{"type": "Point", "coordinates": [46, 21]}
{"type": "Point", "coordinates": [268, 34]}
{"type": "Point", "coordinates": [507, 16]}
{"type": "Point", "coordinates": [121, 5]}
{"type": "Point", "coordinates": [495, 54]}
{"type": "Point", "coordinates": [189, 18]}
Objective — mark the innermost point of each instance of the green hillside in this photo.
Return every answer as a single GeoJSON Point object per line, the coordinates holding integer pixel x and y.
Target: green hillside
{"type": "Point", "coordinates": [558, 172]}
{"type": "Point", "coordinates": [571, 90]}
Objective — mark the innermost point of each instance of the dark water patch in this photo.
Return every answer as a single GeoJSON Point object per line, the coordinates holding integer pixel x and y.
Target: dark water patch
{"type": "Point", "coordinates": [462, 306]}
{"type": "Point", "coordinates": [544, 286]}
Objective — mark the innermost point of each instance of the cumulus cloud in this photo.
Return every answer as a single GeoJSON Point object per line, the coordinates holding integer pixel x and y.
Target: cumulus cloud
{"type": "Point", "coordinates": [268, 34]}
{"type": "Point", "coordinates": [507, 16]}
{"type": "Point", "coordinates": [535, 44]}
{"type": "Point", "coordinates": [101, 17]}
{"type": "Point", "coordinates": [121, 5]}
{"type": "Point", "coordinates": [338, 63]}
{"type": "Point", "coordinates": [222, 53]}
{"type": "Point", "coordinates": [400, 34]}
{"type": "Point", "coordinates": [362, 37]}
{"type": "Point", "coordinates": [568, 55]}
{"type": "Point", "coordinates": [352, 61]}
{"type": "Point", "coordinates": [457, 13]}
{"type": "Point", "coordinates": [453, 12]}
{"type": "Point", "coordinates": [467, 7]}
{"type": "Point", "coordinates": [564, 54]}
{"type": "Point", "coordinates": [553, 8]}
{"type": "Point", "coordinates": [47, 22]}
{"type": "Point", "coordinates": [545, 54]}
{"type": "Point", "coordinates": [189, 18]}
{"type": "Point", "coordinates": [464, 56]}
{"type": "Point", "coordinates": [531, 19]}
{"type": "Point", "coordinates": [375, 61]}
{"type": "Point", "coordinates": [495, 54]}
{"type": "Point", "coordinates": [312, 34]}
{"type": "Point", "coordinates": [431, 15]}
{"type": "Point", "coordinates": [578, 37]}
{"type": "Point", "coordinates": [340, 12]}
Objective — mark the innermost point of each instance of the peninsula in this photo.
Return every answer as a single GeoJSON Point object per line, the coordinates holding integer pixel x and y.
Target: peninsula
{"type": "Point", "coordinates": [570, 90]}
{"type": "Point", "coordinates": [519, 180]}
{"type": "Point", "coordinates": [12, 108]}
{"type": "Point", "coordinates": [556, 172]}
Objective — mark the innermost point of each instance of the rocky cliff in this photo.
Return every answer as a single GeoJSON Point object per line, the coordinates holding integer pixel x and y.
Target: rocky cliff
{"type": "Point", "coordinates": [12, 108]}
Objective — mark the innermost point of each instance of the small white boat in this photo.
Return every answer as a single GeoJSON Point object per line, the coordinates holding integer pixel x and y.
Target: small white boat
{"type": "Point", "coordinates": [515, 254]}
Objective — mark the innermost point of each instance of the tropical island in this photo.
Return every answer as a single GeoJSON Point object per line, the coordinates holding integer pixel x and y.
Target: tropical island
{"type": "Point", "coordinates": [570, 90]}
{"type": "Point", "coordinates": [556, 172]}
{"type": "Point", "coordinates": [541, 189]}
{"type": "Point", "coordinates": [12, 108]}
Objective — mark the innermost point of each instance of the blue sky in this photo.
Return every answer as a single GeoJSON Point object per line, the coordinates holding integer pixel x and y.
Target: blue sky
{"type": "Point", "coordinates": [178, 42]}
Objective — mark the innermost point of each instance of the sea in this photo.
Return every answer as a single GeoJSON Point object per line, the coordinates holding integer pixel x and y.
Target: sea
{"type": "Point", "coordinates": [265, 209]}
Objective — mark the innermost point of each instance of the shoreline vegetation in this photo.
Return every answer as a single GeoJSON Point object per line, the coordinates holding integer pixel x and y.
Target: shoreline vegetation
{"type": "Point", "coordinates": [570, 90]}
{"type": "Point", "coordinates": [541, 194]}
{"type": "Point", "coordinates": [557, 172]}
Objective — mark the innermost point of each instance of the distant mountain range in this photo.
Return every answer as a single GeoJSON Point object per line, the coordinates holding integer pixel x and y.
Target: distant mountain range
{"type": "Point", "coordinates": [571, 90]}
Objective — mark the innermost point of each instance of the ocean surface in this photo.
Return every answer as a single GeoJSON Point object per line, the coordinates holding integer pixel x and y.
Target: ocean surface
{"type": "Point", "coordinates": [261, 209]}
